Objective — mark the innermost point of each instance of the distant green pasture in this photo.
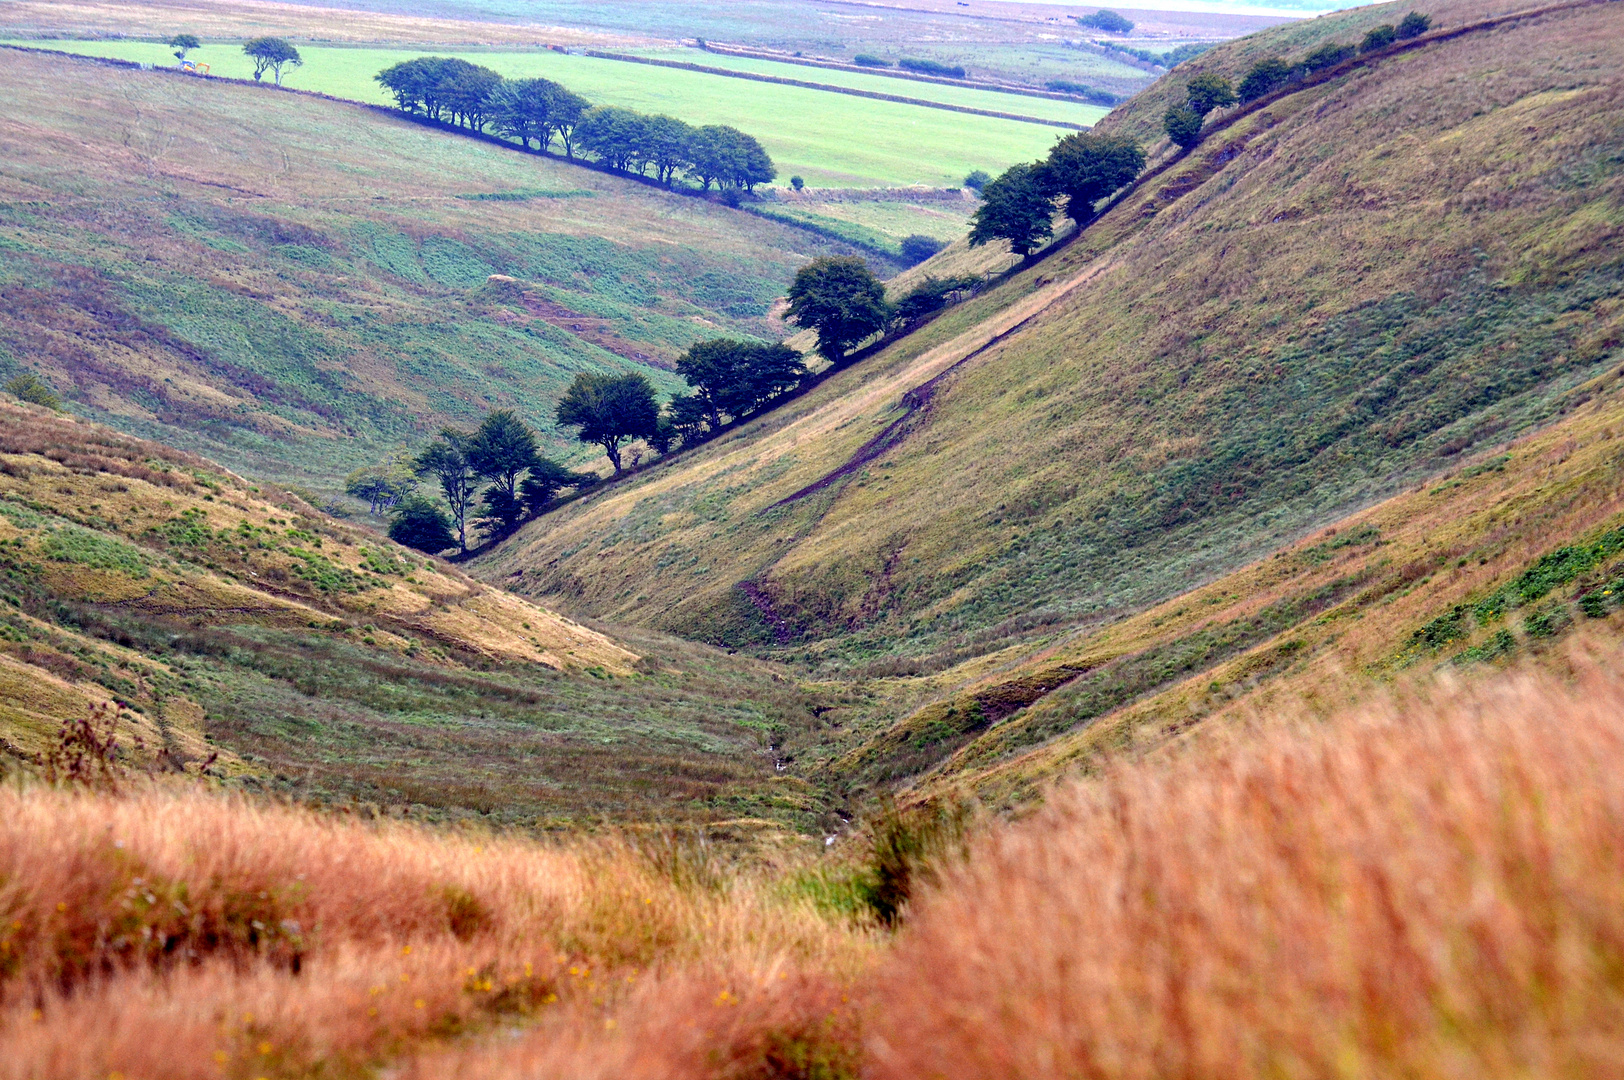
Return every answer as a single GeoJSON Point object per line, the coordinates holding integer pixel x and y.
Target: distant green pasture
{"type": "Point", "coordinates": [830, 139]}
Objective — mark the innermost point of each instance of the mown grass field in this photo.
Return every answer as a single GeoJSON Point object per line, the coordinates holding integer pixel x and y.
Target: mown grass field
{"type": "Point", "coordinates": [294, 286]}
{"type": "Point", "coordinates": [829, 139]}
{"type": "Point", "coordinates": [1318, 307]}
{"type": "Point", "coordinates": [1043, 108]}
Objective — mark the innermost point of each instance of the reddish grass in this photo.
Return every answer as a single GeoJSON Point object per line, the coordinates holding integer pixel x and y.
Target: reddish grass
{"type": "Point", "coordinates": [174, 933]}
{"type": "Point", "coordinates": [1423, 889]}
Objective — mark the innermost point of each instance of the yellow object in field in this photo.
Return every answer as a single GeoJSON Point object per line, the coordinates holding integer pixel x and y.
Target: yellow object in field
{"type": "Point", "coordinates": [194, 68]}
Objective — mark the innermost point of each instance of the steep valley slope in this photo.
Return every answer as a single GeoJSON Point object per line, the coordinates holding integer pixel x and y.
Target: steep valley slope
{"type": "Point", "coordinates": [1356, 286]}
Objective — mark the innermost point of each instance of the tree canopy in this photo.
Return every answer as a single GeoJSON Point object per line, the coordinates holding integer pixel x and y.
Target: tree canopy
{"type": "Point", "coordinates": [183, 44]}
{"type": "Point", "coordinates": [736, 379]}
{"type": "Point", "coordinates": [446, 459]}
{"type": "Point", "coordinates": [841, 300]}
{"type": "Point", "coordinates": [1018, 207]}
{"type": "Point", "coordinates": [418, 523]}
{"type": "Point", "coordinates": [1266, 76]}
{"type": "Point", "coordinates": [271, 54]}
{"type": "Point", "coordinates": [385, 484]}
{"type": "Point", "coordinates": [1208, 91]}
{"type": "Point", "coordinates": [1084, 168]}
{"type": "Point", "coordinates": [609, 410]}
{"type": "Point", "coordinates": [538, 111]}
{"type": "Point", "coordinates": [1107, 20]}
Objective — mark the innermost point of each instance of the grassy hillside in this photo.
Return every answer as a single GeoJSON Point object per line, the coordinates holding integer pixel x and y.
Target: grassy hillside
{"type": "Point", "coordinates": [323, 662]}
{"type": "Point", "coordinates": [1498, 560]}
{"type": "Point", "coordinates": [1340, 294]}
{"type": "Point", "coordinates": [295, 286]}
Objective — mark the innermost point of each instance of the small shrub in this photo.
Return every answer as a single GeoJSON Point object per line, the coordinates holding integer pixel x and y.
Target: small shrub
{"type": "Point", "coordinates": [797, 183]}
{"type": "Point", "coordinates": [916, 248]}
{"type": "Point", "coordinates": [34, 390]}
{"type": "Point", "coordinates": [931, 67]}
{"type": "Point", "coordinates": [1378, 39]}
{"type": "Point", "coordinates": [865, 60]}
{"type": "Point", "coordinates": [978, 180]}
{"type": "Point", "coordinates": [1326, 56]}
{"type": "Point", "coordinates": [1413, 25]}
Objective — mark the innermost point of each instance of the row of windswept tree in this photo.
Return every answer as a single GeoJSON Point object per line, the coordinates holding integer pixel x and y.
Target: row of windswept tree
{"type": "Point", "coordinates": [540, 112]}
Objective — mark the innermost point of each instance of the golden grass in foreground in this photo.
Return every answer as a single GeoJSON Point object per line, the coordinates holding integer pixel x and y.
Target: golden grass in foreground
{"type": "Point", "coordinates": [1419, 891]}
{"type": "Point", "coordinates": [1431, 887]}
{"type": "Point", "coordinates": [178, 934]}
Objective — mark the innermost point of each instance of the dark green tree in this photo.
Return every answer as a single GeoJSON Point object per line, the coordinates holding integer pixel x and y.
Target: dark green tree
{"type": "Point", "coordinates": [417, 523]}
{"type": "Point", "coordinates": [34, 390]}
{"type": "Point", "coordinates": [1413, 25]}
{"type": "Point", "coordinates": [738, 378]}
{"type": "Point", "coordinates": [1018, 207]}
{"type": "Point", "coordinates": [1207, 92]}
{"type": "Point", "coordinates": [1084, 168]}
{"type": "Point", "coordinates": [977, 180]}
{"type": "Point", "coordinates": [446, 459]}
{"type": "Point", "coordinates": [271, 54]}
{"type": "Point", "coordinates": [521, 109]}
{"type": "Point", "coordinates": [1183, 125]}
{"type": "Point", "coordinates": [501, 451]}
{"type": "Point", "coordinates": [1107, 20]}
{"type": "Point", "coordinates": [1326, 56]}
{"type": "Point", "coordinates": [614, 136]}
{"type": "Point", "coordinates": [564, 115]}
{"type": "Point", "coordinates": [690, 417]}
{"type": "Point", "coordinates": [609, 410]}
{"type": "Point", "coordinates": [840, 299]}
{"type": "Point", "coordinates": [183, 44]}
{"type": "Point", "coordinates": [546, 479]}
{"type": "Point", "coordinates": [1378, 38]}
{"type": "Point", "coordinates": [468, 95]}
{"type": "Point", "coordinates": [1266, 77]}
{"type": "Point", "coordinates": [666, 144]}
{"type": "Point", "coordinates": [932, 295]}
{"type": "Point", "coordinates": [797, 183]}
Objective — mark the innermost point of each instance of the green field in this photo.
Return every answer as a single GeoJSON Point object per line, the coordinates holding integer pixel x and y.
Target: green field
{"type": "Point", "coordinates": [1070, 112]}
{"type": "Point", "coordinates": [830, 139]}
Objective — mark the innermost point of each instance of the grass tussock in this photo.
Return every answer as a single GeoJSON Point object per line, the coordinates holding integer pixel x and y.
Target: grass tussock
{"type": "Point", "coordinates": [177, 933]}
{"type": "Point", "coordinates": [1430, 889]}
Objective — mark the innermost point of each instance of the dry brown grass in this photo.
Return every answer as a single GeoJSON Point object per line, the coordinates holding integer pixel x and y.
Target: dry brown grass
{"type": "Point", "coordinates": [1425, 889]}
{"type": "Point", "coordinates": [175, 933]}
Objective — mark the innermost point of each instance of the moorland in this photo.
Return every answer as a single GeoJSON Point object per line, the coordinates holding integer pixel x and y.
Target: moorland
{"type": "Point", "coordinates": [1170, 630]}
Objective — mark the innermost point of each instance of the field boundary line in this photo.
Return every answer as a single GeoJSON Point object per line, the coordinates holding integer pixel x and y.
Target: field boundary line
{"type": "Point", "coordinates": [780, 80]}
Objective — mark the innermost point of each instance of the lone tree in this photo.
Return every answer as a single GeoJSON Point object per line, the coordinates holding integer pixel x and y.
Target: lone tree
{"type": "Point", "coordinates": [1378, 38]}
{"type": "Point", "coordinates": [385, 484]}
{"type": "Point", "coordinates": [1183, 125]}
{"type": "Point", "coordinates": [183, 44]}
{"type": "Point", "coordinates": [609, 410]}
{"type": "Point", "coordinates": [34, 390]}
{"type": "Point", "coordinates": [271, 54]}
{"type": "Point", "coordinates": [1107, 20]}
{"type": "Point", "coordinates": [1017, 207]}
{"type": "Point", "coordinates": [501, 451]}
{"type": "Point", "coordinates": [1413, 25]}
{"type": "Point", "coordinates": [1085, 168]}
{"type": "Point", "coordinates": [419, 524]}
{"type": "Point", "coordinates": [446, 459]}
{"type": "Point", "coordinates": [547, 478]}
{"type": "Point", "coordinates": [841, 300]}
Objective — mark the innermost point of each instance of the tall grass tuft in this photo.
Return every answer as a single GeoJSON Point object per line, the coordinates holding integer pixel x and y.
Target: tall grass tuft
{"type": "Point", "coordinates": [1423, 889]}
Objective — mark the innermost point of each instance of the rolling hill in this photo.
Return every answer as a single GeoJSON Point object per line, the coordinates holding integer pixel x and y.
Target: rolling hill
{"type": "Point", "coordinates": [294, 286]}
{"type": "Point", "coordinates": [1331, 298]}
{"type": "Point", "coordinates": [213, 616]}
